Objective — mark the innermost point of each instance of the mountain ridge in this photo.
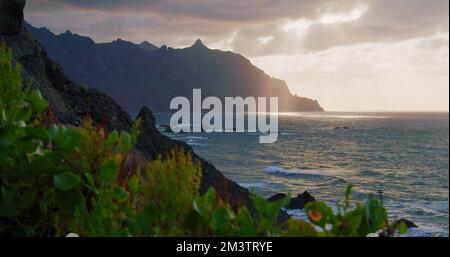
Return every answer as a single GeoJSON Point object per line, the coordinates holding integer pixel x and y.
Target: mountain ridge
{"type": "Point", "coordinates": [143, 74]}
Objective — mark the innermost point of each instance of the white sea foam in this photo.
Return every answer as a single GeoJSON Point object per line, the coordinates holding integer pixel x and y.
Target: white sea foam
{"type": "Point", "coordinates": [196, 138]}
{"type": "Point", "coordinates": [252, 184]}
{"type": "Point", "coordinates": [288, 133]}
{"type": "Point", "coordinates": [194, 142]}
{"type": "Point", "coordinates": [275, 169]}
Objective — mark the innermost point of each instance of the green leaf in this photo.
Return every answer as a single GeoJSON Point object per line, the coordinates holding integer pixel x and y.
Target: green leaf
{"type": "Point", "coordinates": [319, 213]}
{"type": "Point", "coordinates": [24, 115]}
{"type": "Point", "coordinates": [90, 182]}
{"type": "Point", "coordinates": [26, 199]}
{"type": "Point", "coordinates": [43, 207]}
{"type": "Point", "coordinates": [375, 214]}
{"type": "Point", "coordinates": [274, 208]}
{"type": "Point", "coordinates": [222, 215]}
{"type": "Point", "coordinates": [66, 181]}
{"type": "Point", "coordinates": [54, 132]}
{"type": "Point", "coordinates": [89, 179]}
{"type": "Point", "coordinates": [402, 228]}
{"type": "Point", "coordinates": [41, 165]}
{"type": "Point", "coordinates": [8, 205]}
{"type": "Point", "coordinates": [244, 217]}
{"type": "Point", "coordinates": [38, 151]}
{"type": "Point", "coordinates": [133, 183]}
{"type": "Point", "coordinates": [121, 194]}
{"type": "Point", "coordinates": [300, 228]}
{"type": "Point", "coordinates": [125, 141]}
{"type": "Point", "coordinates": [221, 218]}
{"type": "Point", "coordinates": [37, 102]}
{"type": "Point", "coordinates": [112, 139]}
{"type": "Point", "coordinates": [347, 197]}
{"type": "Point", "coordinates": [70, 201]}
{"type": "Point", "coordinates": [108, 172]}
{"type": "Point", "coordinates": [198, 207]}
{"type": "Point", "coordinates": [145, 218]}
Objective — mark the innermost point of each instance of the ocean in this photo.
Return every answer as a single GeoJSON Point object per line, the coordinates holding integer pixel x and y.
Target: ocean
{"type": "Point", "coordinates": [403, 155]}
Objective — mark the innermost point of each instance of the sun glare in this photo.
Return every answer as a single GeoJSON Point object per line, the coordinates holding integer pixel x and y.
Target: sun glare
{"type": "Point", "coordinates": [355, 14]}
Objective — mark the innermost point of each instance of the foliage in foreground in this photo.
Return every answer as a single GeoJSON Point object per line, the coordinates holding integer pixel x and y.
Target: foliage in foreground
{"type": "Point", "coordinates": [57, 179]}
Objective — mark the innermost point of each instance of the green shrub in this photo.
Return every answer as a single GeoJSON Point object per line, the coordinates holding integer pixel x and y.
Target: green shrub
{"type": "Point", "coordinates": [11, 92]}
{"type": "Point", "coordinates": [212, 216]}
{"type": "Point", "coordinates": [56, 179]}
{"type": "Point", "coordinates": [170, 186]}
{"type": "Point", "coordinates": [365, 218]}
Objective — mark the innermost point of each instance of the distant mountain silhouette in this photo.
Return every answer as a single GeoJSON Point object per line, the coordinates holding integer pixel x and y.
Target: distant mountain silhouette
{"type": "Point", "coordinates": [148, 46]}
{"type": "Point", "coordinates": [137, 75]}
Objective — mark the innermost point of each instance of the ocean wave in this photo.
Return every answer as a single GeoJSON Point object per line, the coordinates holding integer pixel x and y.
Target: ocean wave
{"type": "Point", "coordinates": [275, 169]}
{"type": "Point", "coordinates": [252, 184]}
{"type": "Point", "coordinates": [194, 143]}
{"type": "Point", "coordinates": [427, 230]}
{"type": "Point", "coordinates": [196, 137]}
{"type": "Point", "coordinates": [297, 214]}
{"type": "Point", "coordinates": [288, 133]}
{"type": "Point", "coordinates": [439, 206]}
{"type": "Point", "coordinates": [175, 136]}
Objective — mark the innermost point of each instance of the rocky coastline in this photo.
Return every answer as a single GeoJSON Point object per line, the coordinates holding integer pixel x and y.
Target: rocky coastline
{"type": "Point", "coordinates": [72, 103]}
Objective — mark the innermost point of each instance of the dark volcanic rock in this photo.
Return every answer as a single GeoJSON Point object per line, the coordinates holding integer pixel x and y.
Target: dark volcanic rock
{"type": "Point", "coordinates": [276, 197]}
{"type": "Point", "coordinates": [11, 16]}
{"type": "Point", "coordinates": [73, 103]}
{"type": "Point", "coordinates": [298, 202]}
{"type": "Point", "coordinates": [408, 223]}
{"type": "Point", "coordinates": [346, 128]}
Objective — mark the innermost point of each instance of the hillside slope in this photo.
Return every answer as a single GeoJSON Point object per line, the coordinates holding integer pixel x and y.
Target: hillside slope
{"type": "Point", "coordinates": [72, 102]}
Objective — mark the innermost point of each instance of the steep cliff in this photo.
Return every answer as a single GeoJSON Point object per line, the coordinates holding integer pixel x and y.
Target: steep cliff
{"type": "Point", "coordinates": [72, 102]}
{"type": "Point", "coordinates": [136, 75]}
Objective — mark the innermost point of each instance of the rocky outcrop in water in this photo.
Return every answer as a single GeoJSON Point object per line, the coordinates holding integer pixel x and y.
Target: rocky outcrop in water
{"type": "Point", "coordinates": [298, 202]}
{"type": "Point", "coordinates": [408, 223]}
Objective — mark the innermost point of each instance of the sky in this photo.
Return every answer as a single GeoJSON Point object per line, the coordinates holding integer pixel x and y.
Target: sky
{"type": "Point", "coordinates": [350, 55]}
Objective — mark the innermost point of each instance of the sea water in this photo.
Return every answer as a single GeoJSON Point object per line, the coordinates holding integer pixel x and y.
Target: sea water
{"type": "Point", "coordinates": [404, 155]}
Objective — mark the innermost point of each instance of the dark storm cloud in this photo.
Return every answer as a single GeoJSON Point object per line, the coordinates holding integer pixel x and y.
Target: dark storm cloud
{"type": "Point", "coordinates": [242, 24]}
{"type": "Point", "coordinates": [224, 10]}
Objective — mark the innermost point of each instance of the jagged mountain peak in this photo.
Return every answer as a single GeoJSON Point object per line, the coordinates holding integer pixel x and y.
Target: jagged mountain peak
{"type": "Point", "coordinates": [120, 41]}
{"type": "Point", "coordinates": [147, 46]}
{"type": "Point", "coordinates": [154, 79]}
{"type": "Point", "coordinates": [199, 44]}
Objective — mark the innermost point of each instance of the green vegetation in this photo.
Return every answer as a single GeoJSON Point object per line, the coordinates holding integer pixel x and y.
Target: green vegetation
{"type": "Point", "coordinates": [57, 179]}
{"type": "Point", "coordinates": [170, 186]}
